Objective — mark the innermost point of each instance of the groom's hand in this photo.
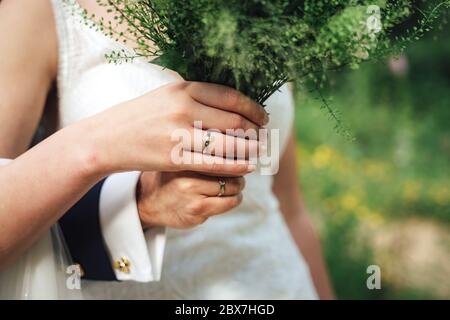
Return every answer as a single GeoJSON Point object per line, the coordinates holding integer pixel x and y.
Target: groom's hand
{"type": "Point", "coordinates": [185, 199]}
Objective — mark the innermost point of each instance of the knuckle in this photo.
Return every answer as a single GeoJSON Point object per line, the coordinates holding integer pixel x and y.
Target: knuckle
{"type": "Point", "coordinates": [179, 85]}
{"type": "Point", "coordinates": [171, 88]}
{"type": "Point", "coordinates": [185, 185]}
{"type": "Point", "coordinates": [185, 85]}
{"type": "Point", "coordinates": [184, 102]}
{"type": "Point", "coordinates": [201, 220]}
{"type": "Point", "coordinates": [231, 96]}
{"type": "Point", "coordinates": [191, 221]}
{"type": "Point", "coordinates": [181, 110]}
{"type": "Point", "coordinates": [196, 220]}
{"type": "Point", "coordinates": [237, 122]}
{"type": "Point", "coordinates": [195, 209]}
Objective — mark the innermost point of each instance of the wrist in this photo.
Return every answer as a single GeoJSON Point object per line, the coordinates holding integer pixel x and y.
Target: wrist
{"type": "Point", "coordinates": [86, 151]}
{"type": "Point", "coordinates": [146, 186]}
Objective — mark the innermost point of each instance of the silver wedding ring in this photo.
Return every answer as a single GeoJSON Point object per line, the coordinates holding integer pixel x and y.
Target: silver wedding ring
{"type": "Point", "coordinates": [207, 141]}
{"type": "Point", "coordinates": [222, 187]}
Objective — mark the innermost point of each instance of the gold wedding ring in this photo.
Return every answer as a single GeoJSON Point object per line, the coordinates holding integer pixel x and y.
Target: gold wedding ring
{"type": "Point", "coordinates": [222, 185]}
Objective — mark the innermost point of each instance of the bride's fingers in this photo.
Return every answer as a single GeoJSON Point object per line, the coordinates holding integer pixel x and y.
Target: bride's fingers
{"type": "Point", "coordinates": [228, 99]}
{"type": "Point", "coordinates": [226, 122]}
{"type": "Point", "coordinates": [212, 165]}
{"type": "Point", "coordinates": [220, 145]}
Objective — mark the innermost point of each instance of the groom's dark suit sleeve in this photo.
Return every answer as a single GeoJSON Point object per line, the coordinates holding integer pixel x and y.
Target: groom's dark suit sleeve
{"type": "Point", "coordinates": [83, 235]}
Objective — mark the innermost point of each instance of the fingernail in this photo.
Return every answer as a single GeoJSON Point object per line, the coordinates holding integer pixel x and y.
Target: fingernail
{"type": "Point", "coordinates": [251, 168]}
{"type": "Point", "coordinates": [266, 115]}
{"type": "Point", "coordinates": [266, 118]}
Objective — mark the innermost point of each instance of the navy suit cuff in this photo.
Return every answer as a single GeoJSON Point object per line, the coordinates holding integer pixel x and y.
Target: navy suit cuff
{"type": "Point", "coordinates": [83, 235]}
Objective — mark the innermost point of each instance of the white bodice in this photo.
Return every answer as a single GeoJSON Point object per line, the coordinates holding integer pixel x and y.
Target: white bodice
{"type": "Point", "coordinates": [246, 253]}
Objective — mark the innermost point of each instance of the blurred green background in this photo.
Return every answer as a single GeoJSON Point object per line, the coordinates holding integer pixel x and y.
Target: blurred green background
{"type": "Point", "coordinates": [383, 199]}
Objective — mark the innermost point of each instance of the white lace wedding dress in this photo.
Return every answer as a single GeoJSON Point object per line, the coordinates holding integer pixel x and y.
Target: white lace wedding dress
{"type": "Point", "coordinates": [247, 253]}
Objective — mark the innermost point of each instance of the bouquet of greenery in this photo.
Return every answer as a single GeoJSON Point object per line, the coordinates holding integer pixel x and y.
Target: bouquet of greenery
{"type": "Point", "coordinates": [256, 46]}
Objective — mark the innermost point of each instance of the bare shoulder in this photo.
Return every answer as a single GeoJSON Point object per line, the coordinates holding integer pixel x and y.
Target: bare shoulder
{"type": "Point", "coordinates": [28, 68]}
{"type": "Point", "coordinates": [28, 33]}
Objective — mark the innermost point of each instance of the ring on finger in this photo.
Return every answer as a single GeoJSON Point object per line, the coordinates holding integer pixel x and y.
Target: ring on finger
{"type": "Point", "coordinates": [207, 142]}
{"type": "Point", "coordinates": [222, 185]}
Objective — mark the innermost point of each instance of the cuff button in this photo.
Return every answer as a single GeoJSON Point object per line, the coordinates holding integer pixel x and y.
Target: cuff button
{"type": "Point", "coordinates": [123, 265]}
{"type": "Point", "coordinates": [80, 270]}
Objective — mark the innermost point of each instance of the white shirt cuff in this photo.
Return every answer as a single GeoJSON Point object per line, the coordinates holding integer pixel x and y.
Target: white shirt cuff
{"type": "Point", "coordinates": [123, 232]}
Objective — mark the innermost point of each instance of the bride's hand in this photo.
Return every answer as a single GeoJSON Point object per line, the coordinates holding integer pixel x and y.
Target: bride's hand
{"type": "Point", "coordinates": [137, 135]}
{"type": "Point", "coordinates": [184, 199]}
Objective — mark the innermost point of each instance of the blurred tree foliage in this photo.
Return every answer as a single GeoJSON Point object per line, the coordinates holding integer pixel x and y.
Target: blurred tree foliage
{"type": "Point", "coordinates": [396, 169]}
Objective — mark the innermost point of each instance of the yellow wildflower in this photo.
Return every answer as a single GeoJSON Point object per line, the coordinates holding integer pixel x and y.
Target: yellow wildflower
{"type": "Point", "coordinates": [349, 202]}
{"type": "Point", "coordinates": [375, 169]}
{"type": "Point", "coordinates": [322, 156]}
{"type": "Point", "coordinates": [411, 191]}
{"type": "Point", "coordinates": [372, 217]}
{"type": "Point", "coordinates": [440, 194]}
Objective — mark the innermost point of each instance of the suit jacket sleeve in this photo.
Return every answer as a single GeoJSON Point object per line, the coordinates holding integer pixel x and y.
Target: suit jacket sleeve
{"type": "Point", "coordinates": [82, 232]}
{"type": "Point", "coordinates": [105, 236]}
